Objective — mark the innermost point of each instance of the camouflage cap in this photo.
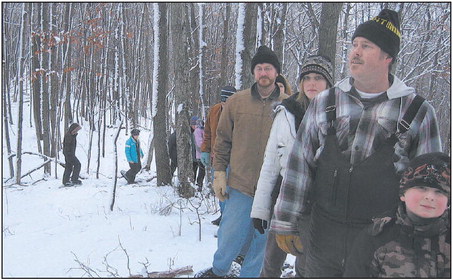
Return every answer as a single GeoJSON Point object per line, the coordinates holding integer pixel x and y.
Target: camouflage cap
{"type": "Point", "coordinates": [429, 170]}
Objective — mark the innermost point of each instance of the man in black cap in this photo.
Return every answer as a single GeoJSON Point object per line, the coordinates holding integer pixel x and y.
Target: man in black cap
{"type": "Point", "coordinates": [351, 145]}
{"type": "Point", "coordinates": [242, 134]}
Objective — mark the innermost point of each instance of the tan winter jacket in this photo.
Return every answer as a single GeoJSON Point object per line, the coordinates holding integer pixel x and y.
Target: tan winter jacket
{"type": "Point", "coordinates": [242, 135]}
{"type": "Point", "coordinates": [210, 129]}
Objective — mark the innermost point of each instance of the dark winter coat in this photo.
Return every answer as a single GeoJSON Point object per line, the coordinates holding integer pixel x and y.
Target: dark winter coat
{"type": "Point", "coordinates": [172, 148]}
{"type": "Point", "coordinates": [70, 141]}
{"type": "Point", "coordinates": [395, 247]}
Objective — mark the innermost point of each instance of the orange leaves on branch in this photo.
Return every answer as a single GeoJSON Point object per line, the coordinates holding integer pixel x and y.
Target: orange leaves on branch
{"type": "Point", "coordinates": [68, 69]}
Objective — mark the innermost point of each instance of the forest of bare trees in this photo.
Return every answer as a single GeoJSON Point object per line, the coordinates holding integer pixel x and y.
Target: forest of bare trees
{"type": "Point", "coordinates": [153, 65]}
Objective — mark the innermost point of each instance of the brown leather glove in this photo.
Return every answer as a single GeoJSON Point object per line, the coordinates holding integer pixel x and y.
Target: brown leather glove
{"type": "Point", "coordinates": [219, 185]}
{"type": "Point", "coordinates": [290, 244]}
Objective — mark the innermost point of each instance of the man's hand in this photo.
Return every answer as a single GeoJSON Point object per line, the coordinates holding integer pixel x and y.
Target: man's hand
{"type": "Point", "coordinates": [205, 158]}
{"type": "Point", "coordinates": [290, 244]}
{"type": "Point", "coordinates": [219, 185]}
{"type": "Point", "coordinates": [260, 225]}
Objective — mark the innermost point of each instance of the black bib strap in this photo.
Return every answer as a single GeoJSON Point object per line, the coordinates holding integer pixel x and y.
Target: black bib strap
{"type": "Point", "coordinates": [404, 124]}
{"type": "Point", "coordinates": [331, 110]}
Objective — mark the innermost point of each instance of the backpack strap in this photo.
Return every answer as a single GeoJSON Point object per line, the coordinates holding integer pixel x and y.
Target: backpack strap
{"type": "Point", "coordinates": [331, 110]}
{"type": "Point", "coordinates": [405, 122]}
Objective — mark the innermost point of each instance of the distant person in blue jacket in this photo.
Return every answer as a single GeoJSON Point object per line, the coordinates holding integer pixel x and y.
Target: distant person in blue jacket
{"type": "Point", "coordinates": [134, 153]}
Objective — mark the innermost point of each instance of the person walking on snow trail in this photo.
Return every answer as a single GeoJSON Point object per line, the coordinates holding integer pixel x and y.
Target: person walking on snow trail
{"type": "Point", "coordinates": [197, 130]}
{"type": "Point", "coordinates": [316, 76]}
{"type": "Point", "coordinates": [72, 165]}
{"type": "Point", "coordinates": [134, 153]}
{"type": "Point", "coordinates": [242, 134]}
{"type": "Point", "coordinates": [210, 133]}
{"type": "Point", "coordinates": [352, 144]}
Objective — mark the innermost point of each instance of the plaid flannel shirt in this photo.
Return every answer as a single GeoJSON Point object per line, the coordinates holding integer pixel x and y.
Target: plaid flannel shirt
{"type": "Point", "coordinates": [361, 126]}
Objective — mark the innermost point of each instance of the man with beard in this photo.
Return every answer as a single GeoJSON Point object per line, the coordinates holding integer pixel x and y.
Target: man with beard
{"type": "Point", "coordinates": [352, 144]}
{"type": "Point", "coordinates": [241, 139]}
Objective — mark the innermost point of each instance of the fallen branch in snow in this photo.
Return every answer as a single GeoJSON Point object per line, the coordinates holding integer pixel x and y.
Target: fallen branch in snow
{"type": "Point", "coordinates": [170, 273]}
{"type": "Point", "coordinates": [40, 155]}
{"type": "Point", "coordinates": [127, 255]}
{"type": "Point", "coordinates": [84, 267]}
{"type": "Point", "coordinates": [47, 158]}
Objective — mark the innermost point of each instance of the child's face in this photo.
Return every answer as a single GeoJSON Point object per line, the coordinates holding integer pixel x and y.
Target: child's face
{"type": "Point", "coordinates": [425, 202]}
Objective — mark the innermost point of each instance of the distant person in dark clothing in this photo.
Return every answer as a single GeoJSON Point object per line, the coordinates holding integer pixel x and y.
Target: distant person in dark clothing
{"type": "Point", "coordinates": [197, 133]}
{"type": "Point", "coordinates": [73, 165]}
{"type": "Point", "coordinates": [134, 153]}
{"type": "Point", "coordinates": [172, 149]}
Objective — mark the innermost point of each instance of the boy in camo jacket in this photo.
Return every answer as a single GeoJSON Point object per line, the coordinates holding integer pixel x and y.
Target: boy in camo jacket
{"type": "Point", "coordinates": [416, 242]}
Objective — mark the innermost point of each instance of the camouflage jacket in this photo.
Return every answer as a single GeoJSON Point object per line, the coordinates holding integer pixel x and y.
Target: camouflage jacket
{"type": "Point", "coordinates": [395, 247]}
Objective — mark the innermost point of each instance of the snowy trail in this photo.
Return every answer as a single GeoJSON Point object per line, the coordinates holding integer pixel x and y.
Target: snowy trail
{"type": "Point", "coordinates": [45, 228]}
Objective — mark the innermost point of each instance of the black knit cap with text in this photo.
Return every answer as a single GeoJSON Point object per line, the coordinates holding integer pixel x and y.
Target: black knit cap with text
{"type": "Point", "coordinates": [383, 30]}
{"type": "Point", "coordinates": [265, 55]}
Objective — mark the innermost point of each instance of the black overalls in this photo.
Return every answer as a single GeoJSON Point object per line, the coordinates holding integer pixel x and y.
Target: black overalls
{"type": "Point", "coordinates": [345, 199]}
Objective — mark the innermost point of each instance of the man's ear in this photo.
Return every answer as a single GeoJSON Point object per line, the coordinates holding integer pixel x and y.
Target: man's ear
{"type": "Point", "coordinates": [402, 198]}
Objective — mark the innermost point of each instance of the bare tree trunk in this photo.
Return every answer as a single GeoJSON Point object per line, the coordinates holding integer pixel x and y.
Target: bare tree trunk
{"type": "Point", "coordinates": [279, 36]}
{"type": "Point", "coordinates": [179, 27]}
{"type": "Point", "coordinates": [45, 85]}
{"type": "Point", "coordinates": [21, 95]}
{"type": "Point", "coordinates": [193, 46]}
{"type": "Point", "coordinates": [115, 182]}
{"type": "Point", "coordinates": [160, 87]}
{"type": "Point", "coordinates": [37, 74]}
{"type": "Point", "coordinates": [128, 95]}
{"type": "Point", "coordinates": [224, 53]}
{"type": "Point", "coordinates": [6, 100]}
{"type": "Point", "coordinates": [68, 117]}
{"type": "Point", "coordinates": [343, 69]}
{"type": "Point", "coordinates": [54, 86]}
{"type": "Point", "coordinates": [328, 30]}
{"type": "Point", "coordinates": [246, 34]}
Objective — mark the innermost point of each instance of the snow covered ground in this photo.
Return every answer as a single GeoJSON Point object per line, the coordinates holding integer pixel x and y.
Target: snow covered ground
{"type": "Point", "coordinates": [50, 231]}
{"type": "Point", "coordinates": [54, 231]}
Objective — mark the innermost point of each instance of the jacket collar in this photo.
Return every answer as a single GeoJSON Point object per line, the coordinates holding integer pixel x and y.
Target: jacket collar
{"type": "Point", "coordinates": [273, 96]}
{"type": "Point", "coordinates": [397, 89]}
